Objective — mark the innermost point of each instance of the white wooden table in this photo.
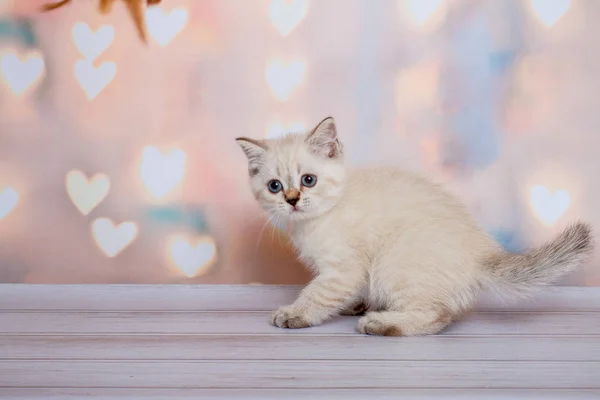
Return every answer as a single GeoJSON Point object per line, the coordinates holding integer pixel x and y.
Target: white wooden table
{"type": "Point", "coordinates": [214, 342]}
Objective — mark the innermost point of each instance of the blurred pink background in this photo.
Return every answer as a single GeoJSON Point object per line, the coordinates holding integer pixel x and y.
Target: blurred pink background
{"type": "Point", "coordinates": [118, 164]}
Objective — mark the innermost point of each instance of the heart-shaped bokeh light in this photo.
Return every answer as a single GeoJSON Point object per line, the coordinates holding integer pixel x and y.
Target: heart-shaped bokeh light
{"type": "Point", "coordinates": [9, 198]}
{"type": "Point", "coordinates": [192, 257]}
{"type": "Point", "coordinates": [111, 238]}
{"type": "Point", "coordinates": [86, 194]}
{"type": "Point", "coordinates": [287, 14]}
{"type": "Point", "coordinates": [21, 73]}
{"type": "Point", "coordinates": [283, 77]}
{"type": "Point", "coordinates": [93, 79]}
{"type": "Point", "coordinates": [161, 173]}
{"type": "Point", "coordinates": [550, 11]}
{"type": "Point", "coordinates": [165, 26]}
{"type": "Point", "coordinates": [92, 44]}
{"type": "Point", "coordinates": [424, 14]}
{"type": "Point", "coordinates": [548, 207]}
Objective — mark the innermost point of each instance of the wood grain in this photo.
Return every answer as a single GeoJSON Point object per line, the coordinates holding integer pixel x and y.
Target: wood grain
{"type": "Point", "coordinates": [234, 298]}
{"type": "Point", "coordinates": [484, 323]}
{"type": "Point", "coordinates": [298, 373]}
{"type": "Point", "coordinates": [299, 347]}
{"type": "Point", "coordinates": [215, 342]}
{"type": "Point", "coordinates": [296, 394]}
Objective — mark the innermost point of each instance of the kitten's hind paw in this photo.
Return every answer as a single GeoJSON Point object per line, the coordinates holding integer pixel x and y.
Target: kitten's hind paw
{"type": "Point", "coordinates": [287, 317]}
{"type": "Point", "coordinates": [355, 309]}
{"type": "Point", "coordinates": [373, 324]}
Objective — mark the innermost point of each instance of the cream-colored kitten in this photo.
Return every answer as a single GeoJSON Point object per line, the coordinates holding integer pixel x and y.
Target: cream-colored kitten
{"type": "Point", "coordinates": [388, 241]}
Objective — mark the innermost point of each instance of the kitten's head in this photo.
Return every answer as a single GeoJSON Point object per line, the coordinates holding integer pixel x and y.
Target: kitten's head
{"type": "Point", "coordinates": [297, 176]}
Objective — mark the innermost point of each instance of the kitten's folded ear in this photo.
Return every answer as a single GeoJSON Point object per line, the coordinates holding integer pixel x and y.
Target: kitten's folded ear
{"type": "Point", "coordinates": [254, 150]}
{"type": "Point", "coordinates": [323, 139]}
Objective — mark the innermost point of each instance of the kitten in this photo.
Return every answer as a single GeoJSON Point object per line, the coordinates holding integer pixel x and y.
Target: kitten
{"type": "Point", "coordinates": [388, 241]}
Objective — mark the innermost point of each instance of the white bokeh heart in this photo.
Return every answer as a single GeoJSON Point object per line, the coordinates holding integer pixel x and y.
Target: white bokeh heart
{"type": "Point", "coordinates": [86, 194]}
{"type": "Point", "coordinates": [550, 11]}
{"type": "Point", "coordinates": [277, 129]}
{"type": "Point", "coordinates": [287, 14]}
{"type": "Point", "coordinates": [9, 198]}
{"type": "Point", "coordinates": [164, 26]}
{"type": "Point", "coordinates": [192, 260]}
{"type": "Point", "coordinates": [91, 44]}
{"type": "Point", "coordinates": [111, 238]}
{"type": "Point", "coordinates": [420, 11]}
{"type": "Point", "coordinates": [21, 73]}
{"type": "Point", "coordinates": [283, 78]}
{"type": "Point", "coordinates": [549, 207]}
{"type": "Point", "coordinates": [93, 80]}
{"type": "Point", "coordinates": [161, 173]}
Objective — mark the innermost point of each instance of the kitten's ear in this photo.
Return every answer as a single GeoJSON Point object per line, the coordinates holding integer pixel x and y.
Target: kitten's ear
{"type": "Point", "coordinates": [254, 150]}
{"type": "Point", "coordinates": [323, 139]}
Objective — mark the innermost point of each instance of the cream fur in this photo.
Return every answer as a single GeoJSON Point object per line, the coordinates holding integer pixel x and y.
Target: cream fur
{"type": "Point", "coordinates": [388, 241]}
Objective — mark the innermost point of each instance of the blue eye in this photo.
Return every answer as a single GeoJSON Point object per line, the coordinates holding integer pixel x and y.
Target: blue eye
{"type": "Point", "coordinates": [274, 186]}
{"type": "Point", "coordinates": [308, 180]}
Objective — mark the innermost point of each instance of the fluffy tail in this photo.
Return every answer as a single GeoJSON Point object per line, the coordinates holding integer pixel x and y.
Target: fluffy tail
{"type": "Point", "coordinates": [520, 274]}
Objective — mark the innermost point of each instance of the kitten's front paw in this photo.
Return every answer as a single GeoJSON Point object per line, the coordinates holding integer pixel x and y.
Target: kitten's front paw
{"type": "Point", "coordinates": [287, 317]}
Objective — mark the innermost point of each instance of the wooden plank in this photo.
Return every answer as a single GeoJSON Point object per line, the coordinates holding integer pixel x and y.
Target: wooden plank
{"type": "Point", "coordinates": [296, 394]}
{"type": "Point", "coordinates": [146, 297]}
{"type": "Point", "coordinates": [485, 323]}
{"type": "Point", "coordinates": [301, 374]}
{"type": "Point", "coordinates": [287, 347]}
{"type": "Point", "coordinates": [233, 298]}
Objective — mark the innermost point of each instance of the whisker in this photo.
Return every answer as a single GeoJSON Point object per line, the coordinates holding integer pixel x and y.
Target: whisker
{"type": "Point", "coordinates": [272, 238]}
{"type": "Point", "coordinates": [237, 245]}
{"type": "Point", "coordinates": [245, 225]}
{"type": "Point", "coordinates": [261, 233]}
{"type": "Point", "coordinates": [279, 237]}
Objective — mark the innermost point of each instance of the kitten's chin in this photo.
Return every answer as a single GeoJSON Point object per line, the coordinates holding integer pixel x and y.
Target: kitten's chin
{"type": "Point", "coordinates": [297, 215]}
{"type": "Point", "coordinates": [306, 214]}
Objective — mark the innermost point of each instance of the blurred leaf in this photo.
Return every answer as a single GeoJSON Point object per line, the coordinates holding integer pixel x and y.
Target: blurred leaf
{"type": "Point", "coordinates": [193, 218]}
{"type": "Point", "coordinates": [20, 29]}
